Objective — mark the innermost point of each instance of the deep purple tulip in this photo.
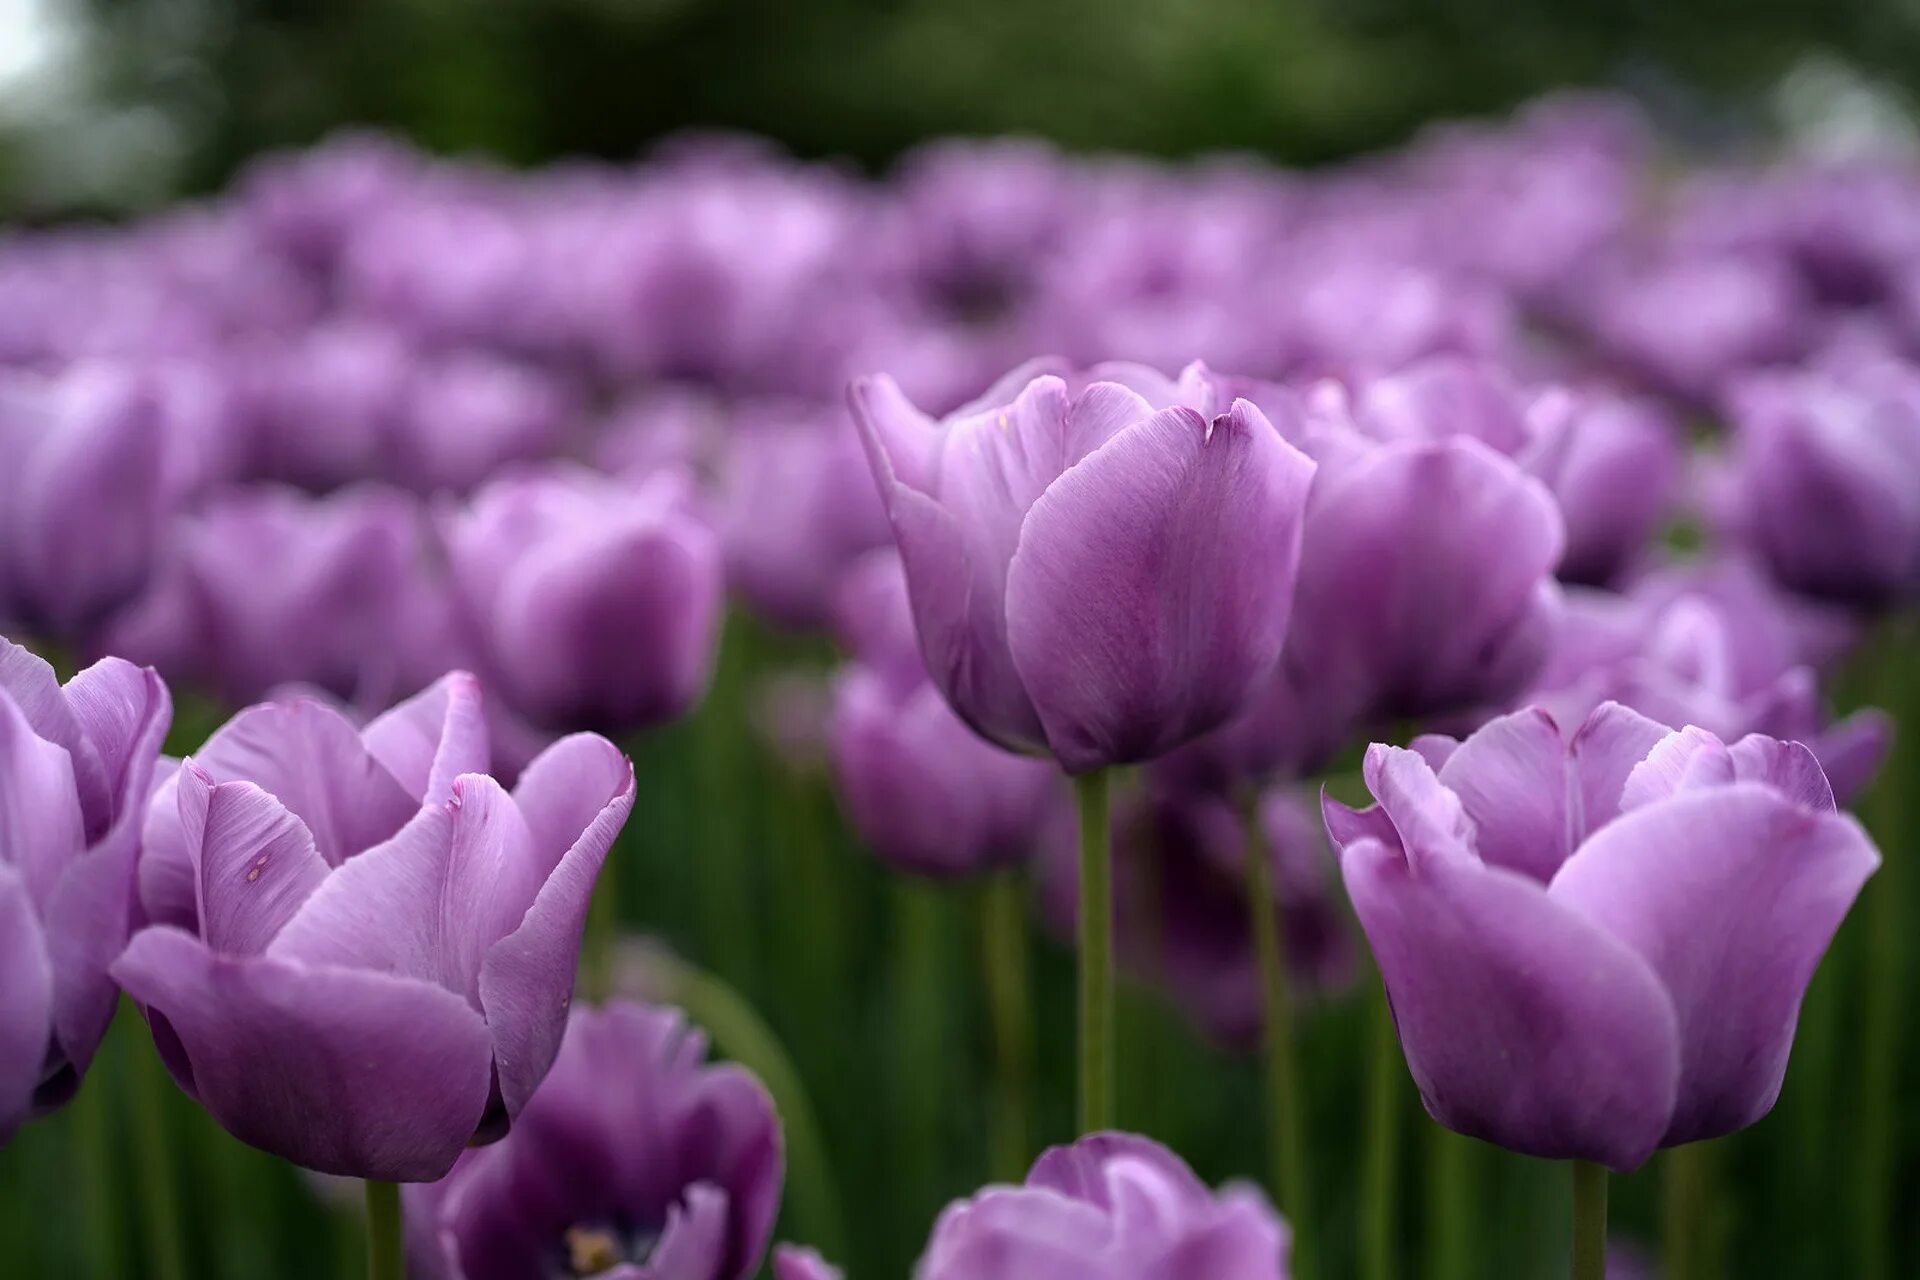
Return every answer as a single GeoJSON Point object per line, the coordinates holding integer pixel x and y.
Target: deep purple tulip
{"type": "Point", "coordinates": [83, 496]}
{"type": "Point", "coordinates": [1180, 895]}
{"type": "Point", "coordinates": [76, 765]}
{"type": "Point", "coordinates": [1597, 947]}
{"type": "Point", "coordinates": [637, 1160]}
{"type": "Point", "coordinates": [1825, 480]}
{"type": "Point", "coordinates": [267, 587]}
{"type": "Point", "coordinates": [792, 1263]}
{"type": "Point", "coordinates": [1110, 1207]}
{"type": "Point", "coordinates": [796, 508]}
{"type": "Point", "coordinates": [594, 602]}
{"type": "Point", "coordinates": [374, 981]}
{"type": "Point", "coordinates": [1090, 576]}
{"type": "Point", "coordinates": [924, 791]}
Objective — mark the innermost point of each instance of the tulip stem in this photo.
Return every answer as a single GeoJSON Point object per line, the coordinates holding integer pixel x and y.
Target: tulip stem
{"type": "Point", "coordinates": [1003, 923]}
{"type": "Point", "coordinates": [1096, 952]}
{"type": "Point", "coordinates": [1589, 1221]}
{"type": "Point", "coordinates": [386, 1260]}
{"type": "Point", "coordinates": [153, 1150]}
{"type": "Point", "coordinates": [1379, 1226]}
{"type": "Point", "coordinates": [1286, 1117]}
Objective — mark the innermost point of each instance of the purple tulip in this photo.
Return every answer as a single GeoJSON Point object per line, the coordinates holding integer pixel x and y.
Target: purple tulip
{"type": "Point", "coordinates": [84, 495]}
{"type": "Point", "coordinates": [594, 602]}
{"type": "Point", "coordinates": [637, 1160]}
{"type": "Point", "coordinates": [1110, 1207]}
{"type": "Point", "coordinates": [791, 1263]}
{"type": "Point", "coordinates": [1677, 656]}
{"type": "Point", "coordinates": [1180, 914]}
{"type": "Point", "coordinates": [1426, 577]}
{"type": "Point", "coordinates": [1597, 947]}
{"type": "Point", "coordinates": [468, 416]}
{"type": "Point", "coordinates": [328, 404]}
{"type": "Point", "coordinates": [1090, 576]}
{"type": "Point", "coordinates": [796, 508]}
{"type": "Point", "coordinates": [373, 981]}
{"type": "Point", "coordinates": [267, 588]}
{"type": "Point", "coordinates": [76, 764]}
{"type": "Point", "coordinates": [1825, 480]}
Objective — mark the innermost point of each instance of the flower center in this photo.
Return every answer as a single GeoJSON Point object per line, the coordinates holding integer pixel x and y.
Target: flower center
{"type": "Point", "coordinates": [591, 1249]}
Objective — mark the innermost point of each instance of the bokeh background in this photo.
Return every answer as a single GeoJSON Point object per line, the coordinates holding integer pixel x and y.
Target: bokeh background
{"type": "Point", "coordinates": [109, 108]}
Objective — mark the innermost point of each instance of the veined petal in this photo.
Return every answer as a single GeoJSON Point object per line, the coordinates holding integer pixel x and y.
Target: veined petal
{"type": "Point", "coordinates": [433, 737]}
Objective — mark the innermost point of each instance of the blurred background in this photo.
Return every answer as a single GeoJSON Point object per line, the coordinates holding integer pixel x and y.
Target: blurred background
{"type": "Point", "coordinates": [110, 105]}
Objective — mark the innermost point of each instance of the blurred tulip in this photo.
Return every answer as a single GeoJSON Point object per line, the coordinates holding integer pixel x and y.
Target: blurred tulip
{"type": "Point", "coordinates": [1089, 576]}
{"type": "Point", "coordinates": [1597, 947]}
{"type": "Point", "coordinates": [366, 1001]}
{"type": "Point", "coordinates": [76, 765]}
{"type": "Point", "coordinates": [791, 1263]}
{"type": "Point", "coordinates": [636, 1159]}
{"type": "Point", "coordinates": [593, 602]}
{"type": "Point", "coordinates": [1110, 1207]}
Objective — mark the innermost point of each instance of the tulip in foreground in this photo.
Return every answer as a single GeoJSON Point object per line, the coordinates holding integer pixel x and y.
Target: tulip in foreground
{"type": "Point", "coordinates": [1597, 947]}
{"type": "Point", "coordinates": [369, 1004]}
{"type": "Point", "coordinates": [637, 1160]}
{"type": "Point", "coordinates": [1110, 1207]}
{"type": "Point", "coordinates": [76, 763]}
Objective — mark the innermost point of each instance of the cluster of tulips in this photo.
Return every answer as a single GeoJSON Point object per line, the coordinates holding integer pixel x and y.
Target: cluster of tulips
{"type": "Point", "coordinates": [1566, 483]}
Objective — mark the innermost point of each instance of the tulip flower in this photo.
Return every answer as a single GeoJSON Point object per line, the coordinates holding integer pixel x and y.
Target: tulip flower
{"type": "Point", "coordinates": [1110, 1207]}
{"type": "Point", "coordinates": [83, 498]}
{"type": "Point", "coordinates": [792, 1263]}
{"type": "Point", "coordinates": [1090, 577]}
{"type": "Point", "coordinates": [365, 1003]}
{"type": "Point", "coordinates": [636, 1160]}
{"type": "Point", "coordinates": [1822, 481]}
{"type": "Point", "coordinates": [924, 791]}
{"type": "Point", "coordinates": [593, 602]}
{"type": "Point", "coordinates": [1597, 947]}
{"type": "Point", "coordinates": [76, 765]}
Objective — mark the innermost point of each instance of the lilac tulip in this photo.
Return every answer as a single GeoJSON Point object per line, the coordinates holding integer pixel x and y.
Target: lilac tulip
{"type": "Point", "coordinates": [383, 947]}
{"type": "Point", "coordinates": [637, 1160]}
{"type": "Point", "coordinates": [920, 788]}
{"type": "Point", "coordinates": [1110, 1207]}
{"type": "Point", "coordinates": [328, 404]}
{"type": "Point", "coordinates": [1596, 947]}
{"type": "Point", "coordinates": [1825, 480]}
{"type": "Point", "coordinates": [466, 417]}
{"type": "Point", "coordinates": [791, 1263]}
{"type": "Point", "coordinates": [796, 508]}
{"type": "Point", "coordinates": [266, 588]}
{"type": "Point", "coordinates": [593, 602]}
{"type": "Point", "coordinates": [84, 495]}
{"type": "Point", "coordinates": [1180, 893]}
{"type": "Point", "coordinates": [76, 764]}
{"type": "Point", "coordinates": [1089, 576]}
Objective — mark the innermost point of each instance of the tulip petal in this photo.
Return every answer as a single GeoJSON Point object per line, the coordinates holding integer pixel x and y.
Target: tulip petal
{"type": "Point", "coordinates": [1606, 749]}
{"type": "Point", "coordinates": [433, 737]}
{"type": "Point", "coordinates": [1512, 777]}
{"type": "Point", "coordinates": [26, 1002]}
{"type": "Point", "coordinates": [340, 1071]}
{"type": "Point", "coordinates": [526, 980]}
{"type": "Point", "coordinates": [123, 713]}
{"type": "Point", "coordinates": [310, 758]}
{"type": "Point", "coordinates": [1244, 1241]}
{"type": "Point", "coordinates": [257, 862]}
{"type": "Point", "coordinates": [1685, 760]}
{"type": "Point", "coordinates": [1429, 822]}
{"type": "Point", "coordinates": [1732, 894]}
{"type": "Point", "coordinates": [1523, 1022]}
{"type": "Point", "coordinates": [901, 442]}
{"type": "Point", "coordinates": [693, 1239]}
{"type": "Point", "coordinates": [1787, 767]}
{"type": "Point", "coordinates": [41, 827]}
{"type": "Point", "coordinates": [1149, 596]}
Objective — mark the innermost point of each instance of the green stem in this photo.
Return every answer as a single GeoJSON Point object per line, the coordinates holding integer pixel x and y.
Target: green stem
{"type": "Point", "coordinates": [92, 1116]}
{"type": "Point", "coordinates": [1451, 1202]}
{"type": "Point", "coordinates": [1286, 1117]}
{"type": "Point", "coordinates": [153, 1148]}
{"type": "Point", "coordinates": [1003, 943]}
{"type": "Point", "coordinates": [1379, 1233]}
{"type": "Point", "coordinates": [1589, 1221]}
{"type": "Point", "coordinates": [739, 1033]}
{"type": "Point", "coordinates": [386, 1258]}
{"type": "Point", "coordinates": [1096, 952]}
{"type": "Point", "coordinates": [1683, 1190]}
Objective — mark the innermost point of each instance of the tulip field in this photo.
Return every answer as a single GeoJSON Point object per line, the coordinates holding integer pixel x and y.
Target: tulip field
{"type": "Point", "coordinates": [1028, 716]}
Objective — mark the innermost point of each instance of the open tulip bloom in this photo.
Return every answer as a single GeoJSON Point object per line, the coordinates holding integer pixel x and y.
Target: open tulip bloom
{"type": "Point", "coordinates": [382, 947]}
{"type": "Point", "coordinates": [1597, 946]}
